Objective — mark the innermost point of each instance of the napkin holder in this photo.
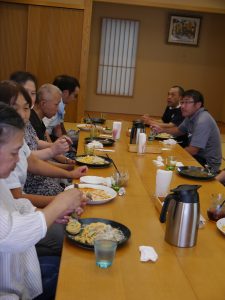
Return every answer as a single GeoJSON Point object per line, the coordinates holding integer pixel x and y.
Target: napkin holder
{"type": "Point", "coordinates": [148, 149]}
{"type": "Point", "coordinates": [158, 202]}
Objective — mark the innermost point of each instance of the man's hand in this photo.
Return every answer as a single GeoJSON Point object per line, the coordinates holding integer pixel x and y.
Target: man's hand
{"type": "Point", "coordinates": [157, 128]}
{"type": "Point", "coordinates": [61, 146]}
{"type": "Point", "coordinates": [147, 120]}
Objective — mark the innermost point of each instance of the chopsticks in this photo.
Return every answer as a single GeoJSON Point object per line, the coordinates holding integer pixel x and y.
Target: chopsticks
{"type": "Point", "coordinates": [113, 164]}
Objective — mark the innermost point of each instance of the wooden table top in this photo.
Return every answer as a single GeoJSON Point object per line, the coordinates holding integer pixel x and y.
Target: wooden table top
{"type": "Point", "coordinates": [179, 273]}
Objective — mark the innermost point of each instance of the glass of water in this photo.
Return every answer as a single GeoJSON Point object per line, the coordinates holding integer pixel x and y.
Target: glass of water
{"type": "Point", "coordinates": [104, 252]}
{"type": "Point", "coordinates": [171, 162]}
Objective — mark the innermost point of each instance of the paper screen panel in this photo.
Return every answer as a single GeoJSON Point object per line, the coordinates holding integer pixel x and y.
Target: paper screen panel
{"type": "Point", "coordinates": [117, 58]}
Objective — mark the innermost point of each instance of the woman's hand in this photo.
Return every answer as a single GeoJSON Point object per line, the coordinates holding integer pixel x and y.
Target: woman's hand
{"type": "Point", "coordinates": [64, 217]}
{"type": "Point", "coordinates": [78, 172]}
{"type": "Point", "coordinates": [63, 205]}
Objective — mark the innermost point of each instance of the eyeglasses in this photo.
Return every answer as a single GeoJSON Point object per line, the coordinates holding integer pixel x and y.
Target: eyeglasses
{"type": "Point", "coordinates": [186, 102]}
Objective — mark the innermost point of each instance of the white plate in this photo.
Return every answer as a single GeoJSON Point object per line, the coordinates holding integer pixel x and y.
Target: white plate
{"type": "Point", "coordinates": [87, 127]}
{"type": "Point", "coordinates": [107, 189]}
{"type": "Point", "coordinates": [84, 127]}
{"type": "Point", "coordinates": [221, 225]}
{"type": "Point", "coordinates": [92, 179]}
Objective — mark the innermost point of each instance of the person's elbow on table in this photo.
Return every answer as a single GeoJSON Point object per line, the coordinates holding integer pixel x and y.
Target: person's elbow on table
{"type": "Point", "coordinates": [192, 150]}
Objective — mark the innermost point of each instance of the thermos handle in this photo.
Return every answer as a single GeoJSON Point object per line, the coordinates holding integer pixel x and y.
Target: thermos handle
{"type": "Point", "coordinates": [131, 135]}
{"type": "Point", "coordinates": [162, 217]}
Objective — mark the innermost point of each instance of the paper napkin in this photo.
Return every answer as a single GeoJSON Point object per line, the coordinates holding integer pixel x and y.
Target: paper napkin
{"type": "Point", "coordinates": [148, 253]}
{"type": "Point", "coordinates": [163, 180]}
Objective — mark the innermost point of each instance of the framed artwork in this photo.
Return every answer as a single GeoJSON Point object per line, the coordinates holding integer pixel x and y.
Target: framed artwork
{"type": "Point", "coordinates": [184, 30]}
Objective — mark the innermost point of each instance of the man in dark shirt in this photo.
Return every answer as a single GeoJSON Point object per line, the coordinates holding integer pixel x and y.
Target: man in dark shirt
{"type": "Point", "coordinates": [172, 116]}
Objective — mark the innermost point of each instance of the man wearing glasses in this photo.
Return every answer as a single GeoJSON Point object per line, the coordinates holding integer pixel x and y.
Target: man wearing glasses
{"type": "Point", "coordinates": [202, 130]}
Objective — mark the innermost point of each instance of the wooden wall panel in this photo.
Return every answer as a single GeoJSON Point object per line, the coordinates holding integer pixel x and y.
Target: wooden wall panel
{"type": "Point", "coordinates": [78, 4]}
{"type": "Point", "coordinates": [13, 35]}
{"type": "Point", "coordinates": [54, 45]}
{"type": "Point", "coordinates": [84, 59]}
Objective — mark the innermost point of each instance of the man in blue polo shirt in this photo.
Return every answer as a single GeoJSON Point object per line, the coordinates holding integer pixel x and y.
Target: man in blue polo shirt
{"type": "Point", "coordinates": [202, 130]}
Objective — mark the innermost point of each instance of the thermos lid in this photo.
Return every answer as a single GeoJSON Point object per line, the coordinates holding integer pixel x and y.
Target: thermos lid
{"type": "Point", "coordinates": [187, 193]}
{"type": "Point", "coordinates": [138, 124]}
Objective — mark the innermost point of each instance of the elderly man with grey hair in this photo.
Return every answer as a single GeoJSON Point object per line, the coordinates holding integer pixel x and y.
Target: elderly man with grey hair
{"type": "Point", "coordinates": [46, 105]}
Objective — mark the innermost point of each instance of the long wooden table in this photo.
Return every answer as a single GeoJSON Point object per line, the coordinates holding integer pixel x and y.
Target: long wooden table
{"type": "Point", "coordinates": [179, 273]}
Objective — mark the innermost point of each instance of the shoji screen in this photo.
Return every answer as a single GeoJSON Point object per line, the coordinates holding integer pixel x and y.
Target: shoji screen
{"type": "Point", "coordinates": [117, 60]}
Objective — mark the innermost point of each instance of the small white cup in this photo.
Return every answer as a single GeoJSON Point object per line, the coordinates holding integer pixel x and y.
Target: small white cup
{"type": "Point", "coordinates": [116, 130]}
{"type": "Point", "coordinates": [141, 143]}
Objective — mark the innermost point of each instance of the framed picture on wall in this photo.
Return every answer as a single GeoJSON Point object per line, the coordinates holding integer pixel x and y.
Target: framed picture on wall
{"type": "Point", "coordinates": [184, 30]}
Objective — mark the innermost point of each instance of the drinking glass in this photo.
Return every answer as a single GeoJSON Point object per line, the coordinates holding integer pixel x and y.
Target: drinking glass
{"type": "Point", "coordinates": [104, 252]}
{"type": "Point", "coordinates": [120, 179]}
{"type": "Point", "coordinates": [216, 211]}
{"type": "Point", "coordinates": [171, 163]}
{"type": "Point", "coordinates": [152, 134]}
{"type": "Point", "coordinates": [88, 150]}
{"type": "Point", "coordinates": [94, 132]}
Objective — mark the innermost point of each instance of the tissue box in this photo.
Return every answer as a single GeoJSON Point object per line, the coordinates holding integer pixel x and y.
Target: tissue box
{"type": "Point", "coordinates": [148, 149]}
{"type": "Point", "coordinates": [158, 202]}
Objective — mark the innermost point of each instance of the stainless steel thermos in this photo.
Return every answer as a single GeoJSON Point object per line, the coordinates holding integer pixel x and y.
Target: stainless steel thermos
{"type": "Point", "coordinates": [138, 127]}
{"type": "Point", "coordinates": [181, 211]}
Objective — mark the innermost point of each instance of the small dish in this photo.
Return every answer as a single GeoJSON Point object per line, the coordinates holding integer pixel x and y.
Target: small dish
{"type": "Point", "coordinates": [104, 141]}
{"type": "Point", "coordinates": [94, 120]}
{"type": "Point", "coordinates": [220, 224]}
{"type": "Point", "coordinates": [93, 161]}
{"type": "Point", "coordinates": [163, 136]}
{"type": "Point", "coordinates": [192, 172]}
{"type": "Point", "coordinates": [110, 192]}
{"type": "Point", "coordinates": [84, 127]}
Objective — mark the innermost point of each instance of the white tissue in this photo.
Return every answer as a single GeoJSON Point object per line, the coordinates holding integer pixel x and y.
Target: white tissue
{"type": "Point", "coordinates": [107, 181]}
{"type": "Point", "coordinates": [179, 164]}
{"type": "Point", "coordinates": [163, 180]}
{"type": "Point", "coordinates": [116, 130]}
{"type": "Point", "coordinates": [141, 143]}
{"type": "Point", "coordinates": [159, 158]}
{"type": "Point", "coordinates": [159, 161]}
{"type": "Point", "coordinates": [95, 144]}
{"type": "Point", "coordinates": [148, 253]}
{"type": "Point", "coordinates": [169, 142]}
